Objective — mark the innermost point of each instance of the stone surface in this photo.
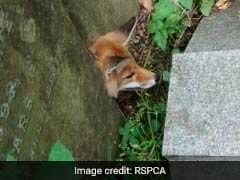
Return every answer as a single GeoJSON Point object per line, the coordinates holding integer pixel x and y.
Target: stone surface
{"type": "Point", "coordinates": [50, 90]}
{"type": "Point", "coordinates": [203, 113]}
{"type": "Point", "coordinates": [203, 116]}
{"type": "Point", "coordinates": [220, 31]}
{"type": "Point", "coordinates": [110, 15]}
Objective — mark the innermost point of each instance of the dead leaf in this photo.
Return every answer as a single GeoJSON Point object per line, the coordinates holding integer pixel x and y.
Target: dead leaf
{"type": "Point", "coordinates": [223, 4]}
{"type": "Point", "coordinates": [147, 4]}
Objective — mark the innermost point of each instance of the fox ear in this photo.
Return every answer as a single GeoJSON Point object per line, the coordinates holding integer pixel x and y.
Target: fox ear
{"type": "Point", "coordinates": [117, 63]}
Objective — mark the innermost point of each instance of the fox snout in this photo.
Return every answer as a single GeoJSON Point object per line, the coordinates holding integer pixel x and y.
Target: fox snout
{"type": "Point", "coordinates": [127, 75]}
{"type": "Point", "coordinates": [143, 80]}
{"type": "Point", "coordinates": [150, 83]}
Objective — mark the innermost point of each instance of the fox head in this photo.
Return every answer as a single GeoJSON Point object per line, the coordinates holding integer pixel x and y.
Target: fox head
{"type": "Point", "coordinates": [118, 66]}
{"type": "Point", "coordinates": [124, 74]}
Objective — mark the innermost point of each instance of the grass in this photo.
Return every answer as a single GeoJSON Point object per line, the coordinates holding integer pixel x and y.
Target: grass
{"type": "Point", "coordinates": [142, 134]}
{"type": "Point", "coordinates": [171, 26]}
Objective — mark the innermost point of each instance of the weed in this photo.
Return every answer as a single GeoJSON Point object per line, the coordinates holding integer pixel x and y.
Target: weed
{"type": "Point", "coordinates": [172, 17]}
{"type": "Point", "coordinates": [142, 134]}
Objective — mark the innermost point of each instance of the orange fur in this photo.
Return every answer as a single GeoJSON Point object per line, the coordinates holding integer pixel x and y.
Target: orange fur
{"type": "Point", "coordinates": [120, 71]}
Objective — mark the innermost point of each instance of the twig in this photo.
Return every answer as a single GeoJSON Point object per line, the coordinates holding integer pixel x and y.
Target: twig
{"type": "Point", "coordinates": [131, 32]}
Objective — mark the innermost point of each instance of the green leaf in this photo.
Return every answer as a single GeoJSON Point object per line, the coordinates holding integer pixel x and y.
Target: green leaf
{"type": "Point", "coordinates": [155, 125]}
{"type": "Point", "coordinates": [134, 132]}
{"type": "Point", "coordinates": [123, 131]}
{"type": "Point", "coordinates": [125, 141]}
{"type": "Point", "coordinates": [206, 7]}
{"type": "Point", "coordinates": [186, 3]}
{"type": "Point", "coordinates": [155, 26]}
{"type": "Point", "coordinates": [133, 140]}
{"type": "Point", "coordinates": [161, 38]}
{"type": "Point", "coordinates": [173, 23]}
{"type": "Point", "coordinates": [164, 8]}
{"type": "Point", "coordinates": [59, 152]}
{"type": "Point", "coordinates": [135, 146]}
{"type": "Point", "coordinates": [129, 124]}
{"type": "Point", "coordinates": [152, 28]}
{"type": "Point", "coordinates": [160, 108]}
{"type": "Point", "coordinates": [132, 156]}
{"type": "Point", "coordinates": [173, 20]}
{"type": "Point", "coordinates": [145, 145]}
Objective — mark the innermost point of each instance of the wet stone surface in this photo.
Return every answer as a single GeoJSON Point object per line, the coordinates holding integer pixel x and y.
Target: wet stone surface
{"type": "Point", "coordinates": [50, 90]}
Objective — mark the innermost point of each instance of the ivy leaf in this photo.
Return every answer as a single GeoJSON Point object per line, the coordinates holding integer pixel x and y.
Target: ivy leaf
{"type": "Point", "coordinates": [206, 7]}
{"type": "Point", "coordinates": [186, 3]}
{"type": "Point", "coordinates": [164, 9]}
{"type": "Point", "coordinates": [59, 152]}
{"type": "Point", "coordinates": [152, 28]}
{"type": "Point", "coordinates": [161, 38]}
{"type": "Point", "coordinates": [172, 23]}
{"type": "Point", "coordinates": [155, 26]}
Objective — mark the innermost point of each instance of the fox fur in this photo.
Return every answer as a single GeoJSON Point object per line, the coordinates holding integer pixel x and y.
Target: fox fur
{"type": "Point", "coordinates": [119, 68]}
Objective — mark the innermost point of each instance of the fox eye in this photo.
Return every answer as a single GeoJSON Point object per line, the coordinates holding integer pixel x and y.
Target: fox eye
{"type": "Point", "coordinates": [130, 75]}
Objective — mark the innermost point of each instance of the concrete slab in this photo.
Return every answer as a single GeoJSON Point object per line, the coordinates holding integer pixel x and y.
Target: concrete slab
{"type": "Point", "coordinates": [203, 113]}
{"type": "Point", "coordinates": [220, 31]}
{"type": "Point", "coordinates": [203, 117]}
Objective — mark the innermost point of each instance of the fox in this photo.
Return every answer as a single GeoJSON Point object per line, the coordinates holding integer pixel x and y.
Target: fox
{"type": "Point", "coordinates": [119, 68]}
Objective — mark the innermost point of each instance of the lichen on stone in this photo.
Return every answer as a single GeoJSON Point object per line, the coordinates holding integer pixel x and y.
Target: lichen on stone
{"type": "Point", "coordinates": [11, 89]}
{"type": "Point", "coordinates": [17, 142]}
{"type": "Point", "coordinates": [4, 111]}
{"type": "Point", "coordinates": [5, 23]}
{"type": "Point", "coordinates": [1, 133]}
{"type": "Point", "coordinates": [23, 121]}
{"type": "Point", "coordinates": [28, 30]}
{"type": "Point", "coordinates": [28, 103]}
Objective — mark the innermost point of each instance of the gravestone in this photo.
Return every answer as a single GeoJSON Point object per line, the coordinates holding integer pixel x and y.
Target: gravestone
{"type": "Point", "coordinates": [203, 116]}
{"type": "Point", "coordinates": [203, 113]}
{"type": "Point", "coordinates": [50, 90]}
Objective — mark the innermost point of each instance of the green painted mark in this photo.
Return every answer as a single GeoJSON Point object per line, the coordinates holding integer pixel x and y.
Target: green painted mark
{"type": "Point", "coordinates": [11, 157]}
{"type": "Point", "coordinates": [59, 152]}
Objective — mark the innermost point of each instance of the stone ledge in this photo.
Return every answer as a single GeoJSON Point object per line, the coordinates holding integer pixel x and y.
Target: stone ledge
{"type": "Point", "coordinates": [220, 31]}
